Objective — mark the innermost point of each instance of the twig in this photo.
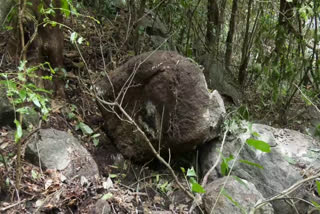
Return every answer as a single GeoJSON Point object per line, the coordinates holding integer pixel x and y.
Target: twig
{"type": "Point", "coordinates": [12, 205]}
{"type": "Point", "coordinates": [283, 193]}
{"type": "Point", "coordinates": [205, 178]}
{"type": "Point", "coordinates": [156, 154]}
{"type": "Point", "coordinates": [228, 176]}
{"type": "Point", "coordinates": [307, 98]}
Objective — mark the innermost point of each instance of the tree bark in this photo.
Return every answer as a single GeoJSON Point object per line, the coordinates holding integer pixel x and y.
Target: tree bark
{"type": "Point", "coordinates": [213, 26]}
{"type": "Point", "coordinates": [137, 26]}
{"type": "Point", "coordinates": [229, 40]}
{"type": "Point", "coordinates": [245, 48]}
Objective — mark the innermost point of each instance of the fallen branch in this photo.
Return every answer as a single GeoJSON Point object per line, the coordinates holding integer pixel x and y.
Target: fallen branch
{"type": "Point", "coordinates": [283, 194]}
{"type": "Point", "coordinates": [156, 154]}
{"type": "Point", "coordinates": [12, 205]}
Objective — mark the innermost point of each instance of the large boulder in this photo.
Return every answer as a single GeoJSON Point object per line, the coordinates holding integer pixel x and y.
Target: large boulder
{"type": "Point", "coordinates": [235, 196]}
{"type": "Point", "coordinates": [293, 155]}
{"type": "Point", "coordinates": [59, 150]}
{"type": "Point", "coordinates": [167, 96]}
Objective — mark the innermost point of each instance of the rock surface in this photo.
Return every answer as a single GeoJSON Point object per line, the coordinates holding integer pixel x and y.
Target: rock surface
{"type": "Point", "coordinates": [292, 155]}
{"type": "Point", "coordinates": [243, 194]}
{"type": "Point", "coordinates": [60, 150]}
{"type": "Point", "coordinates": [220, 79]}
{"type": "Point", "coordinates": [167, 97]}
{"type": "Point", "coordinates": [155, 30]}
{"type": "Point", "coordinates": [101, 207]}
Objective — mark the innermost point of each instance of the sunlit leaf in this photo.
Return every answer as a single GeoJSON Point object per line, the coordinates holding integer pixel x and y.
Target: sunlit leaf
{"type": "Point", "coordinates": [73, 37]}
{"type": "Point", "coordinates": [183, 170]}
{"type": "Point", "coordinates": [191, 173]}
{"type": "Point", "coordinates": [96, 142]}
{"type": "Point", "coordinates": [18, 133]}
{"type": "Point", "coordinates": [197, 188]}
{"type": "Point", "coordinates": [65, 7]}
{"type": "Point", "coordinates": [85, 129]}
{"type": "Point", "coordinates": [259, 145]}
{"type": "Point", "coordinates": [107, 196]}
{"type": "Point", "coordinates": [34, 174]}
{"type": "Point", "coordinates": [318, 186]}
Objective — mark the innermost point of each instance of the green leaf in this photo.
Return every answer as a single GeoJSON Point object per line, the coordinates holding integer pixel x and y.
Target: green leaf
{"type": "Point", "coordinates": [18, 133]}
{"type": "Point", "coordinates": [195, 187]}
{"type": "Point", "coordinates": [80, 40]}
{"type": "Point", "coordinates": [183, 170]}
{"type": "Point", "coordinates": [243, 112]}
{"type": "Point", "coordinates": [107, 196]}
{"type": "Point", "coordinates": [34, 174]}
{"type": "Point", "coordinates": [85, 129]}
{"type": "Point", "coordinates": [22, 65]}
{"type": "Point", "coordinates": [23, 94]}
{"type": "Point", "coordinates": [318, 186]}
{"type": "Point", "coordinates": [35, 99]}
{"type": "Point", "coordinates": [95, 135]}
{"type": "Point", "coordinates": [225, 164]}
{"type": "Point", "coordinates": [24, 110]}
{"type": "Point", "coordinates": [259, 145]}
{"type": "Point", "coordinates": [113, 175]}
{"type": "Point", "coordinates": [316, 204]}
{"type": "Point", "coordinates": [255, 134]}
{"type": "Point", "coordinates": [191, 173]}
{"type": "Point", "coordinates": [251, 163]}
{"type": "Point", "coordinates": [73, 37]}
{"type": "Point", "coordinates": [21, 77]}
{"type": "Point", "coordinates": [163, 187]}
{"type": "Point", "coordinates": [71, 115]}
{"type": "Point", "coordinates": [95, 142]}
{"type": "Point", "coordinates": [65, 8]}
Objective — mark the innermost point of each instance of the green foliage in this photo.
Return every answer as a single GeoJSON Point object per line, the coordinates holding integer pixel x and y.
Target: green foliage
{"type": "Point", "coordinates": [259, 145]}
{"type": "Point", "coordinates": [21, 92]}
{"type": "Point", "coordinates": [192, 175]}
{"type": "Point", "coordinates": [225, 165]}
{"type": "Point", "coordinates": [163, 184]}
{"type": "Point", "coordinates": [18, 133]}
{"type": "Point", "coordinates": [107, 196]}
{"type": "Point", "coordinates": [86, 130]}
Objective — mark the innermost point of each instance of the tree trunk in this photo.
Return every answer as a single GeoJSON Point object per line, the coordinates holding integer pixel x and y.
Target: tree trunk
{"type": "Point", "coordinates": [137, 25]}
{"type": "Point", "coordinates": [229, 40]}
{"type": "Point", "coordinates": [213, 27]}
{"type": "Point", "coordinates": [245, 48]}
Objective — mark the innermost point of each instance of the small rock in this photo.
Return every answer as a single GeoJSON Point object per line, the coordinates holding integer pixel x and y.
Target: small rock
{"type": "Point", "coordinates": [60, 150]}
{"type": "Point", "coordinates": [101, 207]}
